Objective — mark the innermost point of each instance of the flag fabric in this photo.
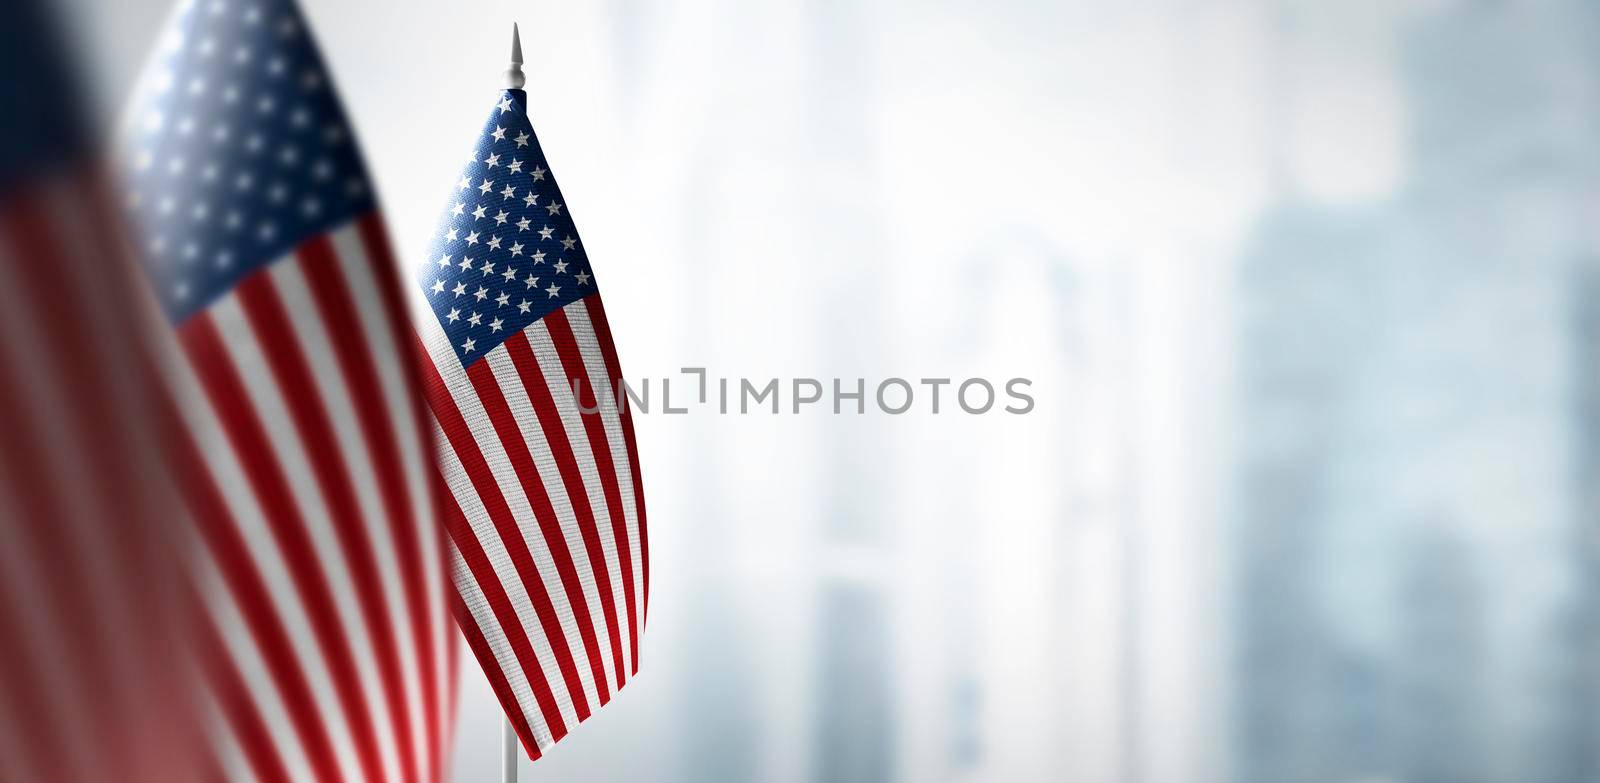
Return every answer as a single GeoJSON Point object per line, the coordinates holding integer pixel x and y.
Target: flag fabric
{"type": "Point", "coordinates": [538, 461]}
{"type": "Point", "coordinates": [89, 624]}
{"type": "Point", "coordinates": [303, 452]}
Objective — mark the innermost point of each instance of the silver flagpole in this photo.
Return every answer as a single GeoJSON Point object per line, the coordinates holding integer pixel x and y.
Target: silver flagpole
{"type": "Point", "coordinates": [508, 752]}
{"type": "Point", "coordinates": [514, 80]}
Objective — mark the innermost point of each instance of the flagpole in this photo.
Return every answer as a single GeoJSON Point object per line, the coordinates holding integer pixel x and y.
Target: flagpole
{"type": "Point", "coordinates": [514, 77]}
{"type": "Point", "coordinates": [508, 752]}
{"type": "Point", "coordinates": [514, 80]}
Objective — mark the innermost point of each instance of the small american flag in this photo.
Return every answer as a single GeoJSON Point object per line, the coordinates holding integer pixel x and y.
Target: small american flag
{"type": "Point", "coordinates": [304, 455]}
{"type": "Point", "coordinates": [545, 509]}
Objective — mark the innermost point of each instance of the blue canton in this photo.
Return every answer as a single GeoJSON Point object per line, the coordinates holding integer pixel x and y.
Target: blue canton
{"type": "Point", "coordinates": [43, 131]}
{"type": "Point", "coordinates": [507, 252]}
{"type": "Point", "coordinates": [240, 150]}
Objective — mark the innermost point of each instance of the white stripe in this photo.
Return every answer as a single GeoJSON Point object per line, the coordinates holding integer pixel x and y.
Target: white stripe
{"type": "Point", "coordinates": [505, 657]}
{"type": "Point", "coordinates": [228, 474]}
{"type": "Point", "coordinates": [395, 375]}
{"type": "Point", "coordinates": [589, 345]}
{"type": "Point", "coordinates": [555, 376]}
{"type": "Point", "coordinates": [316, 345]}
{"type": "Point", "coordinates": [482, 432]}
{"type": "Point", "coordinates": [544, 460]}
{"type": "Point", "coordinates": [294, 461]}
{"type": "Point", "coordinates": [244, 656]}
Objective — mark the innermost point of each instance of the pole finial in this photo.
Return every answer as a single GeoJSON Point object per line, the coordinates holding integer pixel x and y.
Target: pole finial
{"type": "Point", "coordinates": [514, 76]}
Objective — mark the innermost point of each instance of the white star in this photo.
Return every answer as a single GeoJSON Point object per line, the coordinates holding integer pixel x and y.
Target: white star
{"type": "Point", "coordinates": [522, 306]}
{"type": "Point", "coordinates": [438, 286]}
{"type": "Point", "coordinates": [486, 187]}
{"type": "Point", "coordinates": [466, 264]}
{"type": "Point", "coordinates": [454, 315]}
{"type": "Point", "coordinates": [538, 257]}
{"type": "Point", "coordinates": [477, 214]}
{"type": "Point", "coordinates": [509, 275]}
{"type": "Point", "coordinates": [494, 243]}
{"type": "Point", "coordinates": [487, 269]}
{"type": "Point", "coordinates": [553, 209]}
{"type": "Point", "coordinates": [472, 238]}
{"type": "Point", "coordinates": [494, 326]}
{"type": "Point", "coordinates": [451, 236]}
{"type": "Point", "coordinates": [569, 243]}
{"type": "Point", "coordinates": [459, 208]}
{"type": "Point", "coordinates": [522, 225]}
{"type": "Point", "coordinates": [554, 291]}
{"type": "Point", "coordinates": [583, 278]}
{"type": "Point", "coordinates": [499, 133]}
{"type": "Point", "coordinates": [460, 289]}
{"type": "Point", "coordinates": [503, 299]}
{"type": "Point", "coordinates": [531, 199]}
{"type": "Point", "coordinates": [505, 105]}
{"type": "Point", "coordinates": [522, 140]}
{"type": "Point", "coordinates": [444, 261]}
{"type": "Point", "coordinates": [538, 172]}
{"type": "Point", "coordinates": [516, 249]}
{"type": "Point", "coordinates": [493, 160]}
{"type": "Point", "coordinates": [482, 293]}
{"type": "Point", "coordinates": [475, 319]}
{"type": "Point", "coordinates": [515, 167]}
{"type": "Point", "coordinates": [465, 183]}
{"type": "Point", "coordinates": [561, 267]}
{"type": "Point", "coordinates": [546, 232]}
{"type": "Point", "coordinates": [500, 219]}
{"type": "Point", "coordinates": [531, 281]}
{"type": "Point", "coordinates": [469, 345]}
{"type": "Point", "coordinates": [508, 193]}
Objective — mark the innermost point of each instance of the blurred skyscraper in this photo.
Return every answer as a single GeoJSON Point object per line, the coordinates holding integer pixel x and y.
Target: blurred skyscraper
{"type": "Point", "coordinates": [1415, 462]}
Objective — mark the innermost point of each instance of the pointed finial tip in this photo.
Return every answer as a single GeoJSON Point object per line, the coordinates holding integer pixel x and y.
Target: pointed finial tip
{"type": "Point", "coordinates": [514, 77]}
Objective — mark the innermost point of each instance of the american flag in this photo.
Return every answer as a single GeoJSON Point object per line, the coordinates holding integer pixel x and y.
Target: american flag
{"type": "Point", "coordinates": [303, 454]}
{"type": "Point", "coordinates": [538, 461]}
{"type": "Point", "coordinates": [88, 622]}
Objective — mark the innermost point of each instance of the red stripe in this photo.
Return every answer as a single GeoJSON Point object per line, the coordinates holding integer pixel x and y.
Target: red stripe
{"type": "Point", "coordinates": [223, 386]}
{"type": "Point", "coordinates": [269, 320]}
{"type": "Point", "coordinates": [608, 349]}
{"type": "Point", "coordinates": [556, 434]}
{"type": "Point", "coordinates": [233, 696]}
{"type": "Point", "coordinates": [516, 447]}
{"type": "Point", "coordinates": [488, 489]}
{"type": "Point", "coordinates": [594, 426]}
{"type": "Point", "coordinates": [338, 309]}
{"type": "Point", "coordinates": [220, 534]}
{"type": "Point", "coordinates": [510, 624]}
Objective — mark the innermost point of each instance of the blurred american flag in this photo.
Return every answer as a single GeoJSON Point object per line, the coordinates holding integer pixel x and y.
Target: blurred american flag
{"type": "Point", "coordinates": [301, 445]}
{"type": "Point", "coordinates": [90, 621]}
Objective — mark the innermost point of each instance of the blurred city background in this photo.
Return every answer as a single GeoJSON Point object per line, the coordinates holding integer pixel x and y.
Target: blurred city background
{"type": "Point", "coordinates": [1309, 292]}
